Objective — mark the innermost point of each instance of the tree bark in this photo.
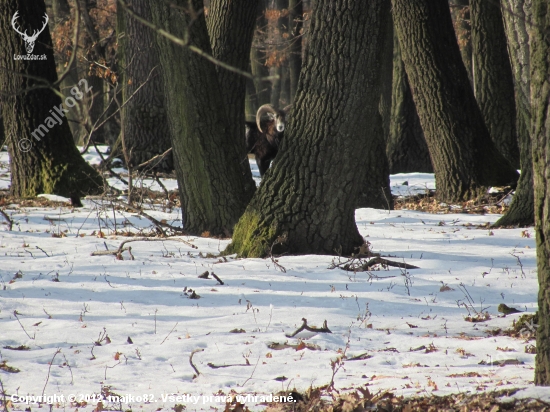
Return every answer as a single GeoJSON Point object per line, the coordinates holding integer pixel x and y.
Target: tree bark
{"type": "Point", "coordinates": [306, 201]}
{"type": "Point", "coordinates": [210, 180]}
{"type": "Point", "coordinates": [406, 148]}
{"type": "Point", "coordinates": [493, 81]}
{"type": "Point", "coordinates": [43, 157]}
{"type": "Point", "coordinates": [540, 94]}
{"type": "Point", "coordinates": [517, 22]}
{"type": "Point", "coordinates": [295, 18]}
{"type": "Point", "coordinates": [460, 12]}
{"type": "Point", "coordinates": [376, 191]}
{"type": "Point", "coordinates": [465, 160]}
{"type": "Point", "coordinates": [230, 28]}
{"type": "Point", "coordinates": [144, 117]}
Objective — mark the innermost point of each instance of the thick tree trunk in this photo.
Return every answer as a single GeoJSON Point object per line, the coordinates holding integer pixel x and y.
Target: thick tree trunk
{"type": "Point", "coordinates": [295, 18]}
{"type": "Point", "coordinates": [493, 81]}
{"type": "Point", "coordinates": [465, 160]}
{"type": "Point", "coordinates": [230, 28]}
{"type": "Point", "coordinates": [210, 180]}
{"type": "Point", "coordinates": [540, 94]}
{"type": "Point", "coordinates": [43, 157]}
{"type": "Point", "coordinates": [517, 22]}
{"type": "Point", "coordinates": [406, 148]}
{"type": "Point", "coordinates": [307, 199]}
{"type": "Point", "coordinates": [146, 131]}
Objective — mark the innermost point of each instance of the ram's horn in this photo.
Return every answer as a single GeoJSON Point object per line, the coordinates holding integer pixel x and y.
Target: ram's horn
{"type": "Point", "coordinates": [266, 108]}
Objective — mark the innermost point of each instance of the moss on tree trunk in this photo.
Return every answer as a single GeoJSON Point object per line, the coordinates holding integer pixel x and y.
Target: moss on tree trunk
{"type": "Point", "coordinates": [210, 180]}
{"type": "Point", "coordinates": [43, 157]}
{"type": "Point", "coordinates": [306, 202]}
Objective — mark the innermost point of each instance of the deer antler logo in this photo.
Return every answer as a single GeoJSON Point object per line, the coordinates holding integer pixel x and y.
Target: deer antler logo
{"type": "Point", "coordinates": [29, 40]}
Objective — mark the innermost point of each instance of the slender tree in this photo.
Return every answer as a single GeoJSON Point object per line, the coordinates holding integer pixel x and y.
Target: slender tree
{"type": "Point", "coordinates": [146, 131]}
{"type": "Point", "coordinates": [61, 14]}
{"type": "Point", "coordinates": [406, 147]}
{"type": "Point", "coordinates": [465, 160]}
{"type": "Point", "coordinates": [540, 94]}
{"type": "Point", "coordinates": [306, 202]}
{"type": "Point", "coordinates": [210, 179]}
{"type": "Point", "coordinates": [460, 12]}
{"type": "Point", "coordinates": [43, 157]}
{"type": "Point", "coordinates": [517, 21]}
{"type": "Point", "coordinates": [493, 81]}
{"type": "Point", "coordinates": [231, 27]}
{"type": "Point", "coordinates": [376, 191]}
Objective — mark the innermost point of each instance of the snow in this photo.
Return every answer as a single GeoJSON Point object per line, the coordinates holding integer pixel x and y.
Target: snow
{"type": "Point", "coordinates": [57, 299]}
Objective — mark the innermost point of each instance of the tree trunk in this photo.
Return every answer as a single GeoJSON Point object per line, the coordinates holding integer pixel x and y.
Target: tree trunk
{"type": "Point", "coordinates": [62, 13]}
{"type": "Point", "coordinates": [540, 94]}
{"type": "Point", "coordinates": [258, 57]}
{"type": "Point", "coordinates": [460, 12]}
{"type": "Point", "coordinates": [43, 157]}
{"type": "Point", "coordinates": [517, 20]}
{"type": "Point", "coordinates": [406, 148]}
{"type": "Point", "coordinates": [307, 199]}
{"type": "Point", "coordinates": [295, 18]}
{"type": "Point", "coordinates": [210, 180]}
{"type": "Point", "coordinates": [493, 81]}
{"type": "Point", "coordinates": [230, 28]}
{"type": "Point", "coordinates": [465, 160]}
{"type": "Point", "coordinates": [376, 191]}
{"type": "Point", "coordinates": [146, 131]}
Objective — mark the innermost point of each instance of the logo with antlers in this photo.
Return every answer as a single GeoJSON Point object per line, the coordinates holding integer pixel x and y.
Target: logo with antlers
{"type": "Point", "coordinates": [29, 40]}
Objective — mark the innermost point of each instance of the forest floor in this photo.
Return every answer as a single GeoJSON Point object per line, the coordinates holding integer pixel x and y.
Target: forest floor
{"type": "Point", "coordinates": [168, 324]}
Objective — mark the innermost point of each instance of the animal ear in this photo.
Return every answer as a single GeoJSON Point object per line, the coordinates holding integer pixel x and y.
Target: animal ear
{"type": "Point", "coordinates": [287, 108]}
{"type": "Point", "coordinates": [271, 115]}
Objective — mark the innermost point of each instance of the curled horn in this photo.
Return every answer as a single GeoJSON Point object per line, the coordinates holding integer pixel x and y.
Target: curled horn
{"type": "Point", "coordinates": [266, 108]}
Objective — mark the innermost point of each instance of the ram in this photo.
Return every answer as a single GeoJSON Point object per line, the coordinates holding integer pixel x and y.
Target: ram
{"type": "Point", "coordinates": [264, 136]}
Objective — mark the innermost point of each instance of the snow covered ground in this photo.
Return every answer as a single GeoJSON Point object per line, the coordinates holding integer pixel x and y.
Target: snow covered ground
{"type": "Point", "coordinates": [98, 325]}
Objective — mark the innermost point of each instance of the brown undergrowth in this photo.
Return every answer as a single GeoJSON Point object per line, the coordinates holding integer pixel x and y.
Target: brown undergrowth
{"type": "Point", "coordinates": [426, 202]}
{"type": "Point", "coordinates": [363, 400]}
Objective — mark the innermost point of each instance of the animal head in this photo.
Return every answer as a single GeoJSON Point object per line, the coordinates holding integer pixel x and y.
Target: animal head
{"type": "Point", "coordinates": [29, 40]}
{"type": "Point", "coordinates": [275, 115]}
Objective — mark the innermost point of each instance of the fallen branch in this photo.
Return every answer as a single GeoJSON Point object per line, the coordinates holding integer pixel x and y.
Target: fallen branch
{"type": "Point", "coordinates": [365, 267]}
{"type": "Point", "coordinates": [305, 326]}
{"type": "Point", "coordinates": [217, 278]}
{"type": "Point", "coordinates": [121, 248]}
{"type": "Point", "coordinates": [169, 333]}
{"type": "Point", "coordinates": [191, 361]}
{"type": "Point", "coordinates": [227, 366]}
{"type": "Point", "coordinates": [156, 222]}
{"type": "Point", "coordinates": [5, 216]}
